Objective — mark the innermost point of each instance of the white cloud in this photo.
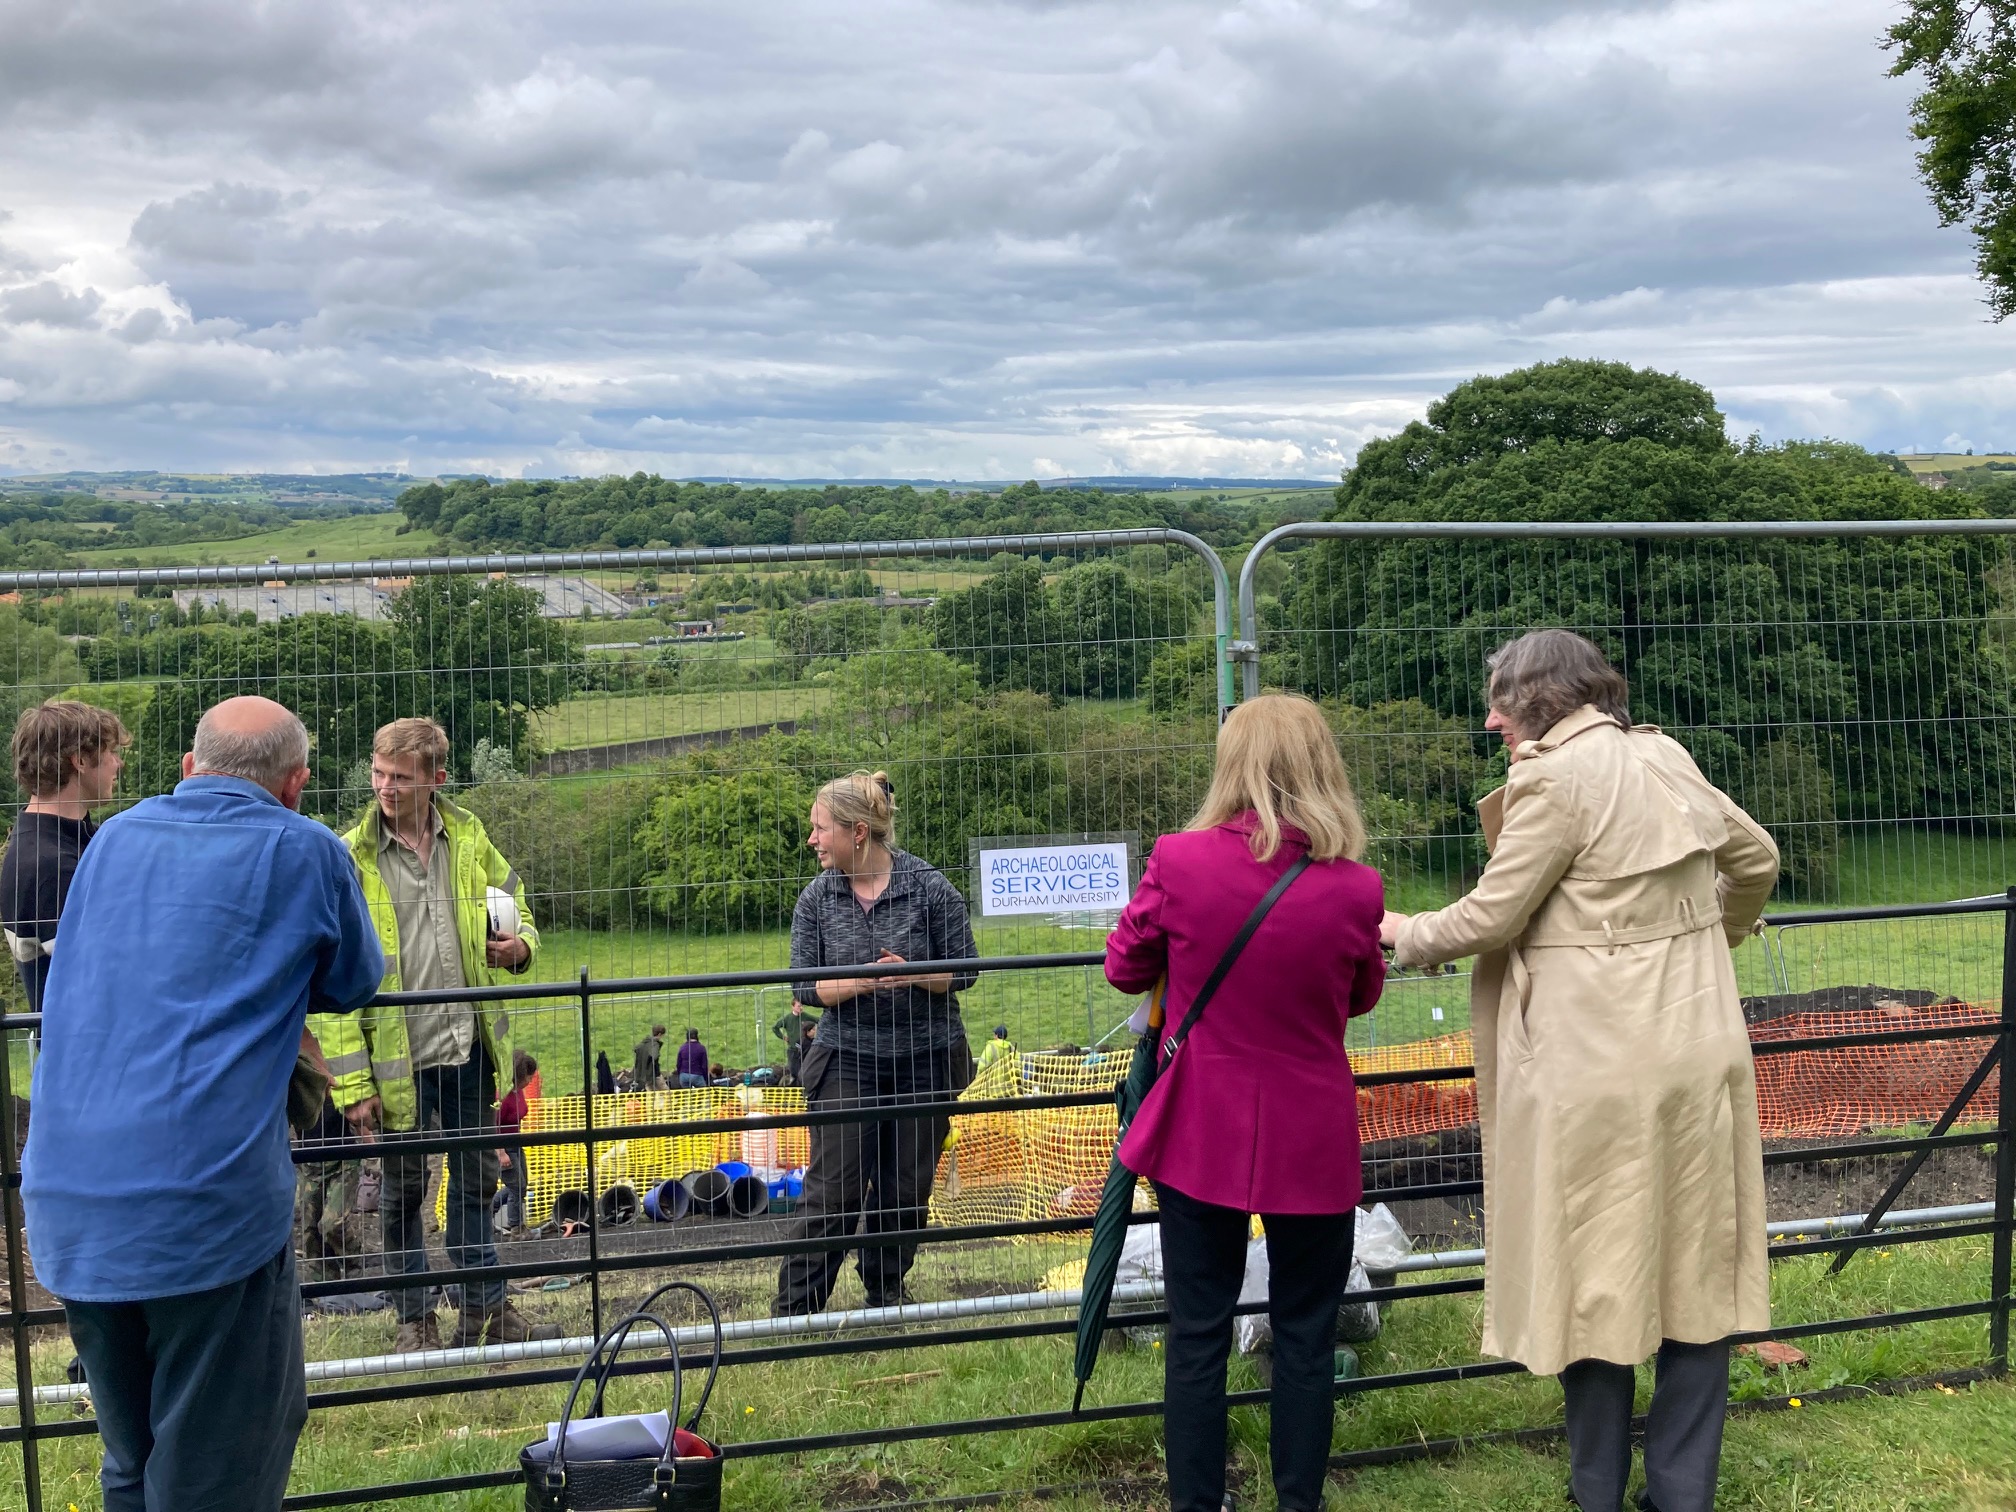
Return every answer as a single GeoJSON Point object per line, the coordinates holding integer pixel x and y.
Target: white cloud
{"type": "Point", "coordinates": [912, 237]}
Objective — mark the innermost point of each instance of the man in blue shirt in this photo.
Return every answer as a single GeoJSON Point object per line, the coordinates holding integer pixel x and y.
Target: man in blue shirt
{"type": "Point", "coordinates": [201, 929]}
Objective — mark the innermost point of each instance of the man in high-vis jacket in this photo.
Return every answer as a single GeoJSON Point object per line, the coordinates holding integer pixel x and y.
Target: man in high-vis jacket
{"type": "Point", "coordinates": [428, 871]}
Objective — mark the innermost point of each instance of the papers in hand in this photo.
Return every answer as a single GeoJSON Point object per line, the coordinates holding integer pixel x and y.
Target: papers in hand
{"type": "Point", "coordinates": [641, 1435]}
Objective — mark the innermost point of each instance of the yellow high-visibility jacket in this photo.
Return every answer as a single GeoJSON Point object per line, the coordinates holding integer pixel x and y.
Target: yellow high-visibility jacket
{"type": "Point", "coordinates": [367, 1052]}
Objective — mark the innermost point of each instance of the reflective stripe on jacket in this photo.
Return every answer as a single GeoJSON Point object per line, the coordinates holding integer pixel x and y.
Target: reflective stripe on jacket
{"type": "Point", "coordinates": [368, 1053]}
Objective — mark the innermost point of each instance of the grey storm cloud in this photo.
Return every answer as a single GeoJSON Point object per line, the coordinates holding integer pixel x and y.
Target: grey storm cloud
{"type": "Point", "coordinates": [962, 237]}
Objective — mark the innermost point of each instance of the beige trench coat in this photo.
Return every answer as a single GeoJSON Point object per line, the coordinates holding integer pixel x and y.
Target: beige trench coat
{"type": "Point", "coordinates": [1623, 1169]}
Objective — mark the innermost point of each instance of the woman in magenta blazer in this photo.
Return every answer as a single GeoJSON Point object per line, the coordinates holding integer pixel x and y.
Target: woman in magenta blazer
{"type": "Point", "coordinates": [1256, 1113]}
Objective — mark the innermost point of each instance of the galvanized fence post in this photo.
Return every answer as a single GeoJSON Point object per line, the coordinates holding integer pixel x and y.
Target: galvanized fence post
{"type": "Point", "coordinates": [2005, 1154]}
{"type": "Point", "coordinates": [588, 1091]}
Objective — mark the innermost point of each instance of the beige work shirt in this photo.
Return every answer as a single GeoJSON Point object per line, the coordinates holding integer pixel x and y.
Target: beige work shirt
{"type": "Point", "coordinates": [430, 949]}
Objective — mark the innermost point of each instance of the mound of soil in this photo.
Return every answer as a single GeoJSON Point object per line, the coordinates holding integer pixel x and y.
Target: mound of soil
{"type": "Point", "coordinates": [1762, 1010]}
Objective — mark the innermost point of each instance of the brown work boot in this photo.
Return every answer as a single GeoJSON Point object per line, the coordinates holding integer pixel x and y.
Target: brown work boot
{"type": "Point", "coordinates": [412, 1338]}
{"type": "Point", "coordinates": [503, 1325]}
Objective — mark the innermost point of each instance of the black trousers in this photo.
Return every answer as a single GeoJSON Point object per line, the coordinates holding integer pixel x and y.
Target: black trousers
{"type": "Point", "coordinates": [1204, 1263]}
{"type": "Point", "coordinates": [869, 1177]}
{"type": "Point", "coordinates": [1683, 1430]}
{"type": "Point", "coordinates": [456, 1099]}
{"type": "Point", "coordinates": [200, 1398]}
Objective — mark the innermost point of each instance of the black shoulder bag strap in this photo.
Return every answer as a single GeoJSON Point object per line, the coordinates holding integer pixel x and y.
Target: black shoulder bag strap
{"type": "Point", "coordinates": [1218, 973]}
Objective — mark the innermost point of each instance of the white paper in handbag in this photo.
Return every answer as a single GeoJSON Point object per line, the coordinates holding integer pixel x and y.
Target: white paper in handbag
{"type": "Point", "coordinates": [640, 1435]}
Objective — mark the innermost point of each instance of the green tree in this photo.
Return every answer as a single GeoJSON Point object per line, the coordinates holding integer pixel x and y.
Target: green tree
{"type": "Point", "coordinates": [990, 768]}
{"type": "Point", "coordinates": [482, 659]}
{"type": "Point", "coordinates": [803, 636]}
{"type": "Point", "coordinates": [727, 849]}
{"type": "Point", "coordinates": [880, 695]}
{"type": "Point", "coordinates": [1965, 53]}
{"type": "Point", "coordinates": [1414, 771]}
{"type": "Point", "coordinates": [344, 677]}
{"type": "Point", "coordinates": [1111, 624]}
{"type": "Point", "coordinates": [1183, 679]}
{"type": "Point", "coordinates": [35, 664]}
{"type": "Point", "coordinates": [1791, 793]}
{"type": "Point", "coordinates": [1005, 627]}
{"type": "Point", "coordinates": [1874, 647]}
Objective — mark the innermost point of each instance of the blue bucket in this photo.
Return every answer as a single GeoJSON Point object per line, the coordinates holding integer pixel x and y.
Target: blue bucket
{"type": "Point", "coordinates": [667, 1202]}
{"type": "Point", "coordinates": [734, 1170]}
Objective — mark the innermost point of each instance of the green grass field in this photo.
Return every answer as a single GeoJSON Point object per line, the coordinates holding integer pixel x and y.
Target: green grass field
{"type": "Point", "coordinates": [1951, 462]}
{"type": "Point", "coordinates": [1053, 1006]}
{"type": "Point", "coordinates": [353, 538]}
{"type": "Point", "coordinates": [649, 716]}
{"type": "Point", "coordinates": [1929, 1450]}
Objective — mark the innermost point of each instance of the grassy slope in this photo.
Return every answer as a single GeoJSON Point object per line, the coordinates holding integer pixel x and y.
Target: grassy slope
{"type": "Point", "coordinates": [1040, 1008]}
{"type": "Point", "coordinates": [1929, 1450]}
{"type": "Point", "coordinates": [354, 538]}
{"type": "Point", "coordinates": [609, 721]}
{"type": "Point", "coordinates": [1951, 462]}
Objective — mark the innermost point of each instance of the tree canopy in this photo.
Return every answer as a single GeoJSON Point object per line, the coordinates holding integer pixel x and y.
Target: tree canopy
{"type": "Point", "coordinates": [1965, 52]}
{"type": "Point", "coordinates": [644, 510]}
{"type": "Point", "coordinates": [1817, 677]}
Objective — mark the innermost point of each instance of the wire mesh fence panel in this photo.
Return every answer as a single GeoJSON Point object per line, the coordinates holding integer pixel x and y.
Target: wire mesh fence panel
{"type": "Point", "coordinates": [647, 753]}
{"type": "Point", "coordinates": [631, 761]}
{"type": "Point", "coordinates": [1852, 692]}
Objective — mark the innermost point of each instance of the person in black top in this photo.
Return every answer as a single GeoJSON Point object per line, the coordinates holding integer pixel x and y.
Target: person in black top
{"type": "Point", "coordinates": [881, 1041]}
{"type": "Point", "coordinates": [67, 759]}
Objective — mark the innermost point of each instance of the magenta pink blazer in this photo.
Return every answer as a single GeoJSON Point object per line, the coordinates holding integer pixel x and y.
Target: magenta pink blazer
{"type": "Point", "coordinates": [1258, 1110]}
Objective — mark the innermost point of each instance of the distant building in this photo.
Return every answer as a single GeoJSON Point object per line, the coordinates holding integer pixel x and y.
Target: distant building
{"type": "Point", "coordinates": [561, 598]}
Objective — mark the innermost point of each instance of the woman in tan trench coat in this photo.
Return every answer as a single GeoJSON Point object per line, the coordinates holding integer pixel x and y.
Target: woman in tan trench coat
{"type": "Point", "coordinates": [1623, 1169]}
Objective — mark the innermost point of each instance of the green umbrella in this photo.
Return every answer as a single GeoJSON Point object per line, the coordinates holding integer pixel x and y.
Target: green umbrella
{"type": "Point", "coordinates": [1116, 1202]}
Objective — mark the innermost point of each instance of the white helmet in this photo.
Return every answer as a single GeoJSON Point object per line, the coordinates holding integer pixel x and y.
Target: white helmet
{"type": "Point", "coordinates": [504, 918]}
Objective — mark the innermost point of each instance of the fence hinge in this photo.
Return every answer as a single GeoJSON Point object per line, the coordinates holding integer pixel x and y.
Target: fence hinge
{"type": "Point", "coordinates": [1241, 651]}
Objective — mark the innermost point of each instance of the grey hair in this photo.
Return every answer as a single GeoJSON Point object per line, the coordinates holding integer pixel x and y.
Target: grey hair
{"type": "Point", "coordinates": [268, 757]}
{"type": "Point", "coordinates": [1544, 676]}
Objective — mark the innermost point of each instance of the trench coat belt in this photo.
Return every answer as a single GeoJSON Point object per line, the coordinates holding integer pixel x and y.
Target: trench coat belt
{"type": "Point", "coordinates": [1689, 921]}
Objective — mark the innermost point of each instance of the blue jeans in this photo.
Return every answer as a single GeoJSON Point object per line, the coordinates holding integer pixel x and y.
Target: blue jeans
{"type": "Point", "coordinates": [455, 1099]}
{"type": "Point", "coordinates": [200, 1397]}
{"type": "Point", "coordinates": [692, 1079]}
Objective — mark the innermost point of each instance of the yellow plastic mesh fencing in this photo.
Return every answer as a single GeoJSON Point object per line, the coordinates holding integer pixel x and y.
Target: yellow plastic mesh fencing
{"type": "Point", "coordinates": [1022, 1166]}
{"type": "Point", "coordinates": [1052, 1162]}
{"type": "Point", "coordinates": [644, 1162]}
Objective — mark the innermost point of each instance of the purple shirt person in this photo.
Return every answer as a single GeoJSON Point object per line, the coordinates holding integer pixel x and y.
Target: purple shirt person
{"type": "Point", "coordinates": [692, 1061]}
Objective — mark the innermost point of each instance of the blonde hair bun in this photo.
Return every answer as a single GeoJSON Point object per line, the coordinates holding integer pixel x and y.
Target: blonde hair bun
{"type": "Point", "coordinates": [862, 798]}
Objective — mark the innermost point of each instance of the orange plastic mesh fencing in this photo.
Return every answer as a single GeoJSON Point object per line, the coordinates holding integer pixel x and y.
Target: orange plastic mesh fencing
{"type": "Point", "coordinates": [1052, 1162]}
{"type": "Point", "coordinates": [1807, 1093]}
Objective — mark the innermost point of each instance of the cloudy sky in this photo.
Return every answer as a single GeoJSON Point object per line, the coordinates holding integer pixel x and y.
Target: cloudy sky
{"type": "Point", "coordinates": [947, 238]}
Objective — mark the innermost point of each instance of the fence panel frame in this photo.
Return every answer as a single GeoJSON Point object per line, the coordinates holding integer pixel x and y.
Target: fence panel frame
{"type": "Point", "coordinates": [584, 991]}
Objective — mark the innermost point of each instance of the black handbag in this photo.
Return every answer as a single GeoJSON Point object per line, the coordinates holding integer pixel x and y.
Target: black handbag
{"type": "Point", "coordinates": [686, 1477]}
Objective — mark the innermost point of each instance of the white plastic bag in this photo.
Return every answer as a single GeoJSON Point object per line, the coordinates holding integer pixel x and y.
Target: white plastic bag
{"type": "Point", "coordinates": [1379, 1243]}
{"type": "Point", "coordinates": [1140, 1255]}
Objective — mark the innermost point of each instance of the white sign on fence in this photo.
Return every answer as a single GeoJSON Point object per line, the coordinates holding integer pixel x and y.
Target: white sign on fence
{"type": "Point", "coordinates": [1053, 878]}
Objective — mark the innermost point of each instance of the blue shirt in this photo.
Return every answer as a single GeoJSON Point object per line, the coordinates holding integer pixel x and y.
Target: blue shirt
{"type": "Point", "coordinates": [201, 929]}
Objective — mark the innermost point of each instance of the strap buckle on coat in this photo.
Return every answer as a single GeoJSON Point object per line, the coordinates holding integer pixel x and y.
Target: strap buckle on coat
{"type": "Point", "coordinates": [1609, 937]}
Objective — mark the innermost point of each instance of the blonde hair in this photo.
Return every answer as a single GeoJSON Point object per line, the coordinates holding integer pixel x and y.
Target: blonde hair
{"type": "Point", "coordinates": [862, 798]}
{"type": "Point", "coordinates": [413, 737]}
{"type": "Point", "coordinates": [1278, 757]}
